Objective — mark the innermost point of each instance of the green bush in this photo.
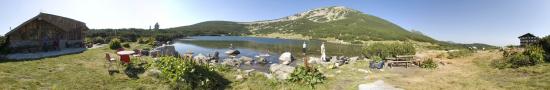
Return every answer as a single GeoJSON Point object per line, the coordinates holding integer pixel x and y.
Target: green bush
{"type": "Point", "coordinates": [376, 59]}
{"type": "Point", "coordinates": [115, 44]}
{"type": "Point", "coordinates": [308, 76]}
{"type": "Point", "coordinates": [385, 50]}
{"type": "Point", "coordinates": [356, 42]}
{"type": "Point", "coordinates": [535, 54]}
{"type": "Point", "coordinates": [459, 53]}
{"type": "Point", "coordinates": [126, 45]}
{"type": "Point", "coordinates": [545, 43]}
{"type": "Point", "coordinates": [532, 55]}
{"type": "Point", "coordinates": [3, 43]}
{"type": "Point", "coordinates": [98, 40]}
{"type": "Point", "coordinates": [147, 40]}
{"type": "Point", "coordinates": [187, 74]}
{"type": "Point", "coordinates": [429, 64]}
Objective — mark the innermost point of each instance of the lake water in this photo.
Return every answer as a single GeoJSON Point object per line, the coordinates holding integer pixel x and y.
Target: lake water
{"type": "Point", "coordinates": [254, 46]}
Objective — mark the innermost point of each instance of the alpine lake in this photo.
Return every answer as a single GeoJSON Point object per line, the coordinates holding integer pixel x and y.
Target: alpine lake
{"type": "Point", "coordinates": [255, 46]}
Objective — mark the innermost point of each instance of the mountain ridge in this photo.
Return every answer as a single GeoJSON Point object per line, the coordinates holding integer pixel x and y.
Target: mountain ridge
{"type": "Point", "coordinates": [328, 22]}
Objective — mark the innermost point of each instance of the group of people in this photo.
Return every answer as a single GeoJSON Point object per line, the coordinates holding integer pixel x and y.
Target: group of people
{"type": "Point", "coordinates": [323, 50]}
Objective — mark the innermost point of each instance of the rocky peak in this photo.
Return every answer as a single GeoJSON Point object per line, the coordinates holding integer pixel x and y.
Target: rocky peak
{"type": "Point", "coordinates": [319, 15]}
{"type": "Point", "coordinates": [326, 14]}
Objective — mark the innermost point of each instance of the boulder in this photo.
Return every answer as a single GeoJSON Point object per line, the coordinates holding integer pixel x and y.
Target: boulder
{"type": "Point", "coordinates": [153, 73]}
{"type": "Point", "coordinates": [246, 60]}
{"type": "Point", "coordinates": [200, 58]}
{"type": "Point", "coordinates": [261, 60]}
{"type": "Point", "coordinates": [353, 59]}
{"type": "Point", "coordinates": [231, 62]}
{"type": "Point", "coordinates": [315, 60]}
{"type": "Point", "coordinates": [281, 71]}
{"type": "Point", "coordinates": [232, 52]}
{"type": "Point", "coordinates": [286, 58]}
{"type": "Point", "coordinates": [239, 78]}
{"type": "Point", "coordinates": [249, 72]}
{"type": "Point", "coordinates": [267, 75]}
{"type": "Point", "coordinates": [333, 58]}
{"type": "Point", "coordinates": [166, 50]}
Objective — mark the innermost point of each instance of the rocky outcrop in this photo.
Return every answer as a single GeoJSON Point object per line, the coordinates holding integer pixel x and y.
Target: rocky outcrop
{"type": "Point", "coordinates": [261, 60]}
{"type": "Point", "coordinates": [246, 60]}
{"type": "Point", "coordinates": [286, 58]}
{"type": "Point", "coordinates": [165, 50]}
{"type": "Point", "coordinates": [281, 71]}
{"type": "Point", "coordinates": [231, 62]}
{"type": "Point", "coordinates": [319, 15]}
{"type": "Point", "coordinates": [200, 58]}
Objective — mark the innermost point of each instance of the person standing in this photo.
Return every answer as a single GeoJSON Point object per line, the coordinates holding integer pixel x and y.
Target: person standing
{"type": "Point", "coordinates": [231, 46]}
{"type": "Point", "coordinates": [304, 48]}
{"type": "Point", "coordinates": [323, 53]}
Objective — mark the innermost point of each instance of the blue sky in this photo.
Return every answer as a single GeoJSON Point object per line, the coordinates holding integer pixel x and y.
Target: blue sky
{"type": "Point", "coordinates": [495, 22]}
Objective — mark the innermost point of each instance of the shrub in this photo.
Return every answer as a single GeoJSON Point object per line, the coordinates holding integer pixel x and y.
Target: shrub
{"type": "Point", "coordinates": [459, 53]}
{"type": "Point", "coordinates": [545, 43]}
{"type": "Point", "coordinates": [535, 54]}
{"type": "Point", "coordinates": [356, 42]}
{"type": "Point", "coordinates": [98, 40]}
{"type": "Point", "coordinates": [308, 76]}
{"type": "Point", "coordinates": [88, 40]}
{"type": "Point", "coordinates": [429, 64]}
{"type": "Point", "coordinates": [532, 55]}
{"type": "Point", "coordinates": [376, 59]}
{"type": "Point", "coordinates": [184, 72]}
{"type": "Point", "coordinates": [115, 44]}
{"type": "Point", "coordinates": [3, 43]}
{"type": "Point", "coordinates": [126, 45]}
{"type": "Point", "coordinates": [389, 50]}
{"type": "Point", "coordinates": [147, 40]}
{"type": "Point", "coordinates": [501, 64]}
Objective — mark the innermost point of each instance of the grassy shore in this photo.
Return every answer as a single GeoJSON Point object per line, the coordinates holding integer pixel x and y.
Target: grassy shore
{"type": "Point", "coordinates": [87, 70]}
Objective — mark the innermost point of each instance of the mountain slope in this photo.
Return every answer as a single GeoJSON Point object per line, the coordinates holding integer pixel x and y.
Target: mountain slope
{"type": "Point", "coordinates": [330, 22]}
{"type": "Point", "coordinates": [214, 27]}
{"type": "Point", "coordinates": [337, 22]}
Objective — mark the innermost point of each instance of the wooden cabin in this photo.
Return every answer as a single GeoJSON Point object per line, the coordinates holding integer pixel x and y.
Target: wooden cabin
{"type": "Point", "coordinates": [528, 39]}
{"type": "Point", "coordinates": [46, 32]}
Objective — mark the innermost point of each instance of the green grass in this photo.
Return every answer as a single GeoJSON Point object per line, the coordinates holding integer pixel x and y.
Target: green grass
{"type": "Point", "coordinates": [86, 70]}
{"type": "Point", "coordinates": [529, 77]}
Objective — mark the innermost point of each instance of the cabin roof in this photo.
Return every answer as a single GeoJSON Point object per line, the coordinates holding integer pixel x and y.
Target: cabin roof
{"type": "Point", "coordinates": [66, 24]}
{"type": "Point", "coordinates": [527, 35]}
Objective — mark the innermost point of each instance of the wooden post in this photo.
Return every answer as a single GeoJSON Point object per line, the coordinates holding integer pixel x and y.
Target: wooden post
{"type": "Point", "coordinates": [305, 61]}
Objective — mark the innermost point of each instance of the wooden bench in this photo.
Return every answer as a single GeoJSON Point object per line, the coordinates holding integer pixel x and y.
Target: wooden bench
{"type": "Point", "coordinates": [392, 63]}
{"type": "Point", "coordinates": [401, 59]}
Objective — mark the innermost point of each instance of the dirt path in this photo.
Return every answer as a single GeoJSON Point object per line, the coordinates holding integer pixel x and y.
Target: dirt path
{"type": "Point", "coordinates": [460, 74]}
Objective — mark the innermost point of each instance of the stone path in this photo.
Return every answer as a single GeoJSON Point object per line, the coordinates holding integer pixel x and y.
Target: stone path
{"type": "Point", "coordinates": [377, 85]}
{"type": "Point", "coordinates": [21, 56]}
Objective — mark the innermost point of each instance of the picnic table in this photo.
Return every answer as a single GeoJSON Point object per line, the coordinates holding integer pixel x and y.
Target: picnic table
{"type": "Point", "coordinates": [125, 56]}
{"type": "Point", "coordinates": [401, 59]}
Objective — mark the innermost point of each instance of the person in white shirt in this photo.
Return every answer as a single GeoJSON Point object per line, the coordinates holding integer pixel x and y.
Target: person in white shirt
{"type": "Point", "coordinates": [323, 53]}
{"type": "Point", "coordinates": [304, 46]}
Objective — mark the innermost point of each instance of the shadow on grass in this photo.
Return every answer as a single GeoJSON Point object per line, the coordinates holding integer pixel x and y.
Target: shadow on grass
{"type": "Point", "coordinates": [217, 82]}
{"type": "Point", "coordinates": [133, 70]}
{"type": "Point", "coordinates": [5, 60]}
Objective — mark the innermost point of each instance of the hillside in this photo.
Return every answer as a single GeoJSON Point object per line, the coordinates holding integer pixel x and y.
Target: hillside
{"type": "Point", "coordinates": [214, 27]}
{"type": "Point", "coordinates": [331, 22]}
{"type": "Point", "coordinates": [337, 22]}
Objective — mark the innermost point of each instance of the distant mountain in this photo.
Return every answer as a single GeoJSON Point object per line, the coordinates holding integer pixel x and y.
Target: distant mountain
{"type": "Point", "coordinates": [329, 22]}
{"type": "Point", "coordinates": [215, 27]}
